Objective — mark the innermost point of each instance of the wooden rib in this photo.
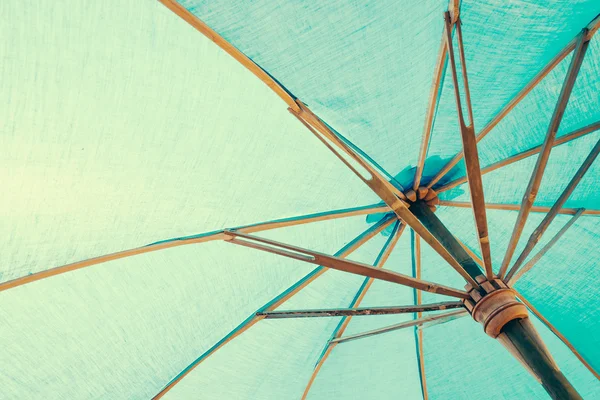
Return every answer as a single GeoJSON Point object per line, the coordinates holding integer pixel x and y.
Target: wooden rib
{"type": "Point", "coordinates": [592, 28]}
{"type": "Point", "coordinates": [278, 300]}
{"type": "Point", "coordinates": [360, 311]}
{"type": "Point", "coordinates": [419, 332]}
{"type": "Point", "coordinates": [469, 145]}
{"type": "Point", "coordinates": [344, 252]}
{"type": "Point", "coordinates": [380, 186]}
{"type": "Point", "coordinates": [340, 264]}
{"type": "Point", "coordinates": [558, 334]}
{"type": "Point", "coordinates": [454, 9]}
{"type": "Point", "coordinates": [524, 154]}
{"type": "Point", "coordinates": [537, 234]}
{"type": "Point", "coordinates": [244, 326]}
{"type": "Point", "coordinates": [388, 247]}
{"type": "Point", "coordinates": [433, 101]}
{"type": "Point", "coordinates": [515, 207]}
{"type": "Point", "coordinates": [260, 73]}
{"type": "Point", "coordinates": [325, 356]}
{"type": "Point", "coordinates": [202, 238]}
{"type": "Point", "coordinates": [470, 252]}
{"type": "Point", "coordinates": [320, 129]}
{"type": "Point", "coordinates": [428, 321]}
{"type": "Point", "coordinates": [511, 280]}
{"type": "Point", "coordinates": [540, 166]}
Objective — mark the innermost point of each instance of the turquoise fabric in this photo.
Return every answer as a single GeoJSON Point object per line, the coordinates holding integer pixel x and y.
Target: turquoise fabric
{"type": "Point", "coordinates": [122, 125]}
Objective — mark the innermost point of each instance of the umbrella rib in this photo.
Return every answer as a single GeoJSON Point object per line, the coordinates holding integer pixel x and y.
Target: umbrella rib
{"type": "Point", "coordinates": [381, 186]}
{"type": "Point", "coordinates": [469, 144]}
{"type": "Point", "coordinates": [348, 249]}
{"type": "Point", "coordinates": [549, 218]}
{"type": "Point", "coordinates": [361, 168]}
{"type": "Point", "coordinates": [194, 239]}
{"type": "Point", "coordinates": [260, 73]}
{"type": "Point", "coordinates": [333, 262]}
{"type": "Point", "coordinates": [576, 134]}
{"type": "Point", "coordinates": [418, 332]}
{"type": "Point", "coordinates": [390, 195]}
{"type": "Point", "coordinates": [542, 161]}
{"type": "Point", "coordinates": [558, 334]}
{"type": "Point", "coordinates": [421, 322]}
{"type": "Point", "coordinates": [516, 207]}
{"type": "Point", "coordinates": [359, 311]}
{"type": "Point", "coordinates": [515, 276]}
{"type": "Point", "coordinates": [470, 252]}
{"type": "Point", "coordinates": [434, 97]}
{"type": "Point", "coordinates": [382, 257]}
{"type": "Point", "coordinates": [592, 27]}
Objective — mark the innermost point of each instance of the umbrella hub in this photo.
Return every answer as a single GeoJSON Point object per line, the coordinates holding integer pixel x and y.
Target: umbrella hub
{"type": "Point", "coordinates": [493, 305]}
{"type": "Point", "coordinates": [429, 196]}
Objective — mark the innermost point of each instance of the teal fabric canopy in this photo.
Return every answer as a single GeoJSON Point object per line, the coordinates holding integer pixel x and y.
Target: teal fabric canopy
{"type": "Point", "coordinates": [133, 147]}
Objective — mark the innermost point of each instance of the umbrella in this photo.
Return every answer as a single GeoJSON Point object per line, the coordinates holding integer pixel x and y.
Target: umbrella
{"type": "Point", "coordinates": [417, 219]}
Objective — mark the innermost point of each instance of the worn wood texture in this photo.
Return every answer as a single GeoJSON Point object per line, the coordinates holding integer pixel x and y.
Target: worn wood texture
{"type": "Point", "coordinates": [537, 234]}
{"type": "Point", "coordinates": [513, 276]}
{"type": "Point", "coordinates": [427, 321]}
{"type": "Point", "coordinates": [354, 312]}
{"type": "Point", "coordinates": [559, 335]}
{"type": "Point", "coordinates": [592, 28]}
{"type": "Point", "coordinates": [524, 154]}
{"type": "Point", "coordinates": [217, 235]}
{"type": "Point", "coordinates": [419, 300]}
{"type": "Point", "coordinates": [340, 264]}
{"type": "Point", "coordinates": [437, 228]}
{"type": "Point", "coordinates": [521, 338]}
{"type": "Point", "coordinates": [515, 207]}
{"type": "Point", "coordinates": [378, 184]}
{"type": "Point", "coordinates": [278, 301]}
{"type": "Point", "coordinates": [469, 143]}
{"type": "Point", "coordinates": [542, 161]}
{"type": "Point", "coordinates": [360, 295]}
{"type": "Point", "coordinates": [431, 107]}
{"type": "Point", "coordinates": [204, 29]}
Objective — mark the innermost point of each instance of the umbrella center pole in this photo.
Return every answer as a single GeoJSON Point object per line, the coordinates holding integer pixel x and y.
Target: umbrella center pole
{"type": "Point", "coordinates": [493, 304]}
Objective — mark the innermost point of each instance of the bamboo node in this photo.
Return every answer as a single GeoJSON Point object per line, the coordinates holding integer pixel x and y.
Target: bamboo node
{"type": "Point", "coordinates": [494, 305]}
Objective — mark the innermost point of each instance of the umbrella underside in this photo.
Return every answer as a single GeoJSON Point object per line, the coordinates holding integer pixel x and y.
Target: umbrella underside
{"type": "Point", "coordinates": [305, 321]}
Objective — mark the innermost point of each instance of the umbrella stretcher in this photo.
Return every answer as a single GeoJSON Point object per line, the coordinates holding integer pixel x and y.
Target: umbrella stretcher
{"type": "Point", "coordinates": [489, 298]}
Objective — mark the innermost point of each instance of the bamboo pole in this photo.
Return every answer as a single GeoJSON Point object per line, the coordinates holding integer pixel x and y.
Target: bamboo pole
{"type": "Point", "coordinates": [469, 146]}
{"type": "Point", "coordinates": [524, 154]}
{"type": "Point", "coordinates": [427, 321]}
{"type": "Point", "coordinates": [204, 29]}
{"type": "Point", "coordinates": [419, 332]}
{"type": "Point", "coordinates": [382, 257]}
{"type": "Point", "coordinates": [515, 207]}
{"type": "Point", "coordinates": [513, 277]}
{"type": "Point", "coordinates": [592, 28]}
{"type": "Point", "coordinates": [276, 302]}
{"type": "Point", "coordinates": [431, 108]}
{"type": "Point", "coordinates": [559, 335]}
{"type": "Point", "coordinates": [517, 336]}
{"type": "Point", "coordinates": [379, 185]}
{"type": "Point", "coordinates": [520, 337]}
{"type": "Point", "coordinates": [360, 311]}
{"type": "Point", "coordinates": [543, 226]}
{"type": "Point", "coordinates": [434, 225]}
{"type": "Point", "coordinates": [195, 239]}
{"type": "Point", "coordinates": [332, 262]}
{"type": "Point", "coordinates": [538, 172]}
